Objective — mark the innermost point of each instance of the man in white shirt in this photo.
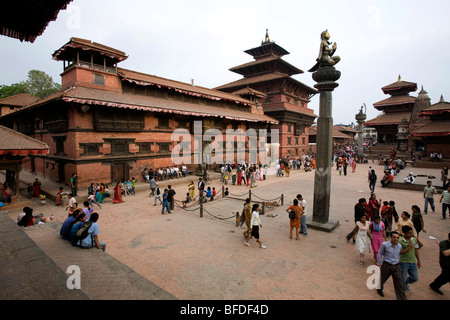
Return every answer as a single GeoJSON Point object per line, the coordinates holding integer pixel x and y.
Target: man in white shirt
{"type": "Point", "coordinates": [428, 193]}
{"type": "Point", "coordinates": [302, 203]}
{"type": "Point", "coordinates": [72, 202]}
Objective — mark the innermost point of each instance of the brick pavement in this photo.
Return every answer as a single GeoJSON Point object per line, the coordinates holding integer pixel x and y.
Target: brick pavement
{"type": "Point", "coordinates": [205, 258]}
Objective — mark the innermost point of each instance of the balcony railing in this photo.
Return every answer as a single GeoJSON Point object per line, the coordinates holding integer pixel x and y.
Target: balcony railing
{"type": "Point", "coordinates": [93, 66]}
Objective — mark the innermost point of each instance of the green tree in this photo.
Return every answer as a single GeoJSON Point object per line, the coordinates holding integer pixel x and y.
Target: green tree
{"type": "Point", "coordinates": [11, 90]}
{"type": "Point", "coordinates": [40, 84]}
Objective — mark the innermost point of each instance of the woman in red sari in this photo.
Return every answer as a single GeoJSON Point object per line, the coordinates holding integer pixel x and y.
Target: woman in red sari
{"type": "Point", "coordinates": [117, 194]}
{"type": "Point", "coordinates": [239, 176]}
{"type": "Point", "coordinates": [36, 188]}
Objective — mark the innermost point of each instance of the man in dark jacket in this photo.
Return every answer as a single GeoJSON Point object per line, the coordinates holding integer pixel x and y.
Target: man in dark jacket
{"type": "Point", "coordinates": [359, 212]}
{"type": "Point", "coordinates": [170, 197]}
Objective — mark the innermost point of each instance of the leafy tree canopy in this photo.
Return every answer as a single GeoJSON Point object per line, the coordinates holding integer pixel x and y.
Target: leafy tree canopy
{"type": "Point", "coordinates": [38, 84]}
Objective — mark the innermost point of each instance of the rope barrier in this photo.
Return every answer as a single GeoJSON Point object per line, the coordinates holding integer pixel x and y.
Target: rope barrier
{"type": "Point", "coordinates": [234, 217]}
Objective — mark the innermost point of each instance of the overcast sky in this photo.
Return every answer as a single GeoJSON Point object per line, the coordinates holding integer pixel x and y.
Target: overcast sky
{"type": "Point", "coordinates": [202, 39]}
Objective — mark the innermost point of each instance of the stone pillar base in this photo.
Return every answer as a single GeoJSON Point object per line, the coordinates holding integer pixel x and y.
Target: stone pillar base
{"type": "Point", "coordinates": [328, 226]}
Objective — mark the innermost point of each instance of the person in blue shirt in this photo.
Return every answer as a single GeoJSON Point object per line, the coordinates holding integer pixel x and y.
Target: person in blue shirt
{"type": "Point", "coordinates": [165, 203]}
{"type": "Point", "coordinates": [76, 226]}
{"type": "Point", "coordinates": [92, 239]}
{"type": "Point", "coordinates": [67, 225]}
{"type": "Point", "coordinates": [388, 259]}
{"type": "Point", "coordinates": [208, 193]}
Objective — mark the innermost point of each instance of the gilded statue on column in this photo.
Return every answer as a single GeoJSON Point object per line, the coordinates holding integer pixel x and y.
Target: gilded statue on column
{"type": "Point", "coordinates": [326, 56]}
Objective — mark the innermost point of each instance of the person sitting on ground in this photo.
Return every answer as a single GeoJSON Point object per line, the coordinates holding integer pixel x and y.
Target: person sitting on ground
{"type": "Point", "coordinates": [92, 239]}
{"type": "Point", "coordinates": [7, 194]}
{"type": "Point", "coordinates": [188, 199]}
{"type": "Point", "coordinates": [387, 179]}
{"type": "Point", "coordinates": [67, 225]}
{"type": "Point", "coordinates": [88, 210]}
{"type": "Point", "coordinates": [72, 204]}
{"type": "Point", "coordinates": [410, 178]}
{"type": "Point", "coordinates": [208, 194]}
{"type": "Point", "coordinates": [27, 219]}
{"type": "Point", "coordinates": [81, 218]}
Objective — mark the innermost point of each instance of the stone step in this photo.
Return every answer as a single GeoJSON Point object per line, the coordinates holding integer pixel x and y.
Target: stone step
{"type": "Point", "coordinates": [35, 266]}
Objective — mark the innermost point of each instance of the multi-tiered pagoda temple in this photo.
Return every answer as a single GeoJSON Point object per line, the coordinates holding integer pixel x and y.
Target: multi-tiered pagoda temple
{"type": "Point", "coordinates": [268, 81]}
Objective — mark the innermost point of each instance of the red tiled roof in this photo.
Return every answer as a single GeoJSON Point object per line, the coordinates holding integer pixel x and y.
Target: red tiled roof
{"type": "Point", "coordinates": [27, 19]}
{"type": "Point", "coordinates": [146, 79]}
{"type": "Point", "coordinates": [395, 100]}
{"type": "Point", "coordinates": [65, 52]}
{"type": "Point", "coordinates": [437, 108]}
{"type": "Point", "coordinates": [19, 100]}
{"type": "Point", "coordinates": [154, 104]}
{"type": "Point", "coordinates": [337, 133]}
{"type": "Point", "coordinates": [285, 107]}
{"type": "Point", "coordinates": [265, 60]}
{"type": "Point", "coordinates": [245, 82]}
{"type": "Point", "coordinates": [434, 128]}
{"type": "Point", "coordinates": [249, 90]}
{"type": "Point", "coordinates": [400, 84]}
{"type": "Point", "coordinates": [16, 143]}
{"type": "Point", "coordinates": [389, 119]}
{"type": "Point", "coordinates": [85, 95]}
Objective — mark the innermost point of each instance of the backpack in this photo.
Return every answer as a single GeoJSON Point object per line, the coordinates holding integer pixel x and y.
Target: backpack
{"type": "Point", "coordinates": [292, 215]}
{"type": "Point", "coordinates": [83, 232]}
{"type": "Point", "coordinates": [373, 177]}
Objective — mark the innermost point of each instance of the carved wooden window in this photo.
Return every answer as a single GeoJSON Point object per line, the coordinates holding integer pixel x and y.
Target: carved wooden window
{"type": "Point", "coordinates": [112, 119]}
{"type": "Point", "coordinates": [59, 141]}
{"type": "Point", "coordinates": [119, 146]}
{"type": "Point", "coordinates": [55, 119]}
{"type": "Point", "coordinates": [299, 129]}
{"type": "Point", "coordinates": [164, 147]}
{"type": "Point", "coordinates": [145, 147]}
{"type": "Point", "coordinates": [163, 123]}
{"type": "Point", "coordinates": [91, 149]}
{"type": "Point", "coordinates": [99, 79]}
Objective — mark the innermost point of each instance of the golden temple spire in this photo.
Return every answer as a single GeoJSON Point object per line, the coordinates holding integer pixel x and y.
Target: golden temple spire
{"type": "Point", "coordinates": [399, 78]}
{"type": "Point", "coordinates": [266, 38]}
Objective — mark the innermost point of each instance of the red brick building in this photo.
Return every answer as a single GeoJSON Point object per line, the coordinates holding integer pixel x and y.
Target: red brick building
{"type": "Point", "coordinates": [12, 103]}
{"type": "Point", "coordinates": [435, 133]}
{"type": "Point", "coordinates": [268, 79]}
{"type": "Point", "coordinates": [107, 123]}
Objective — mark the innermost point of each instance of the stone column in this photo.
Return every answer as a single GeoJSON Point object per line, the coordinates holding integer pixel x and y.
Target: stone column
{"type": "Point", "coordinates": [325, 78]}
{"type": "Point", "coordinates": [360, 119]}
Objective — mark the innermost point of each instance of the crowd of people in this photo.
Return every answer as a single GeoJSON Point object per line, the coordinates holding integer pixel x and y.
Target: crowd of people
{"type": "Point", "coordinates": [166, 173]}
{"type": "Point", "coordinates": [393, 238]}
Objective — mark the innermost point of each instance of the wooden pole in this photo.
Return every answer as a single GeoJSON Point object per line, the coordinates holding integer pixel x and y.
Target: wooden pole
{"type": "Point", "coordinates": [282, 199]}
{"type": "Point", "coordinates": [250, 194]}
{"type": "Point", "coordinates": [223, 191]}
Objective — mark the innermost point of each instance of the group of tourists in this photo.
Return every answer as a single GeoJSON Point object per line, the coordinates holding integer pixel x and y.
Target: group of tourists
{"type": "Point", "coordinates": [164, 173]}
{"type": "Point", "coordinates": [251, 217]}
{"type": "Point", "coordinates": [243, 174]}
{"type": "Point", "coordinates": [81, 228]}
{"type": "Point", "coordinates": [393, 238]}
